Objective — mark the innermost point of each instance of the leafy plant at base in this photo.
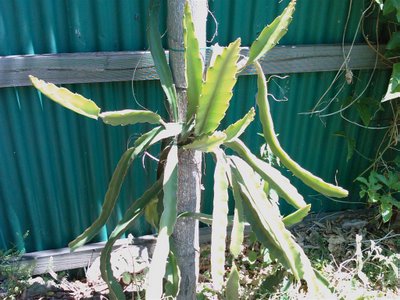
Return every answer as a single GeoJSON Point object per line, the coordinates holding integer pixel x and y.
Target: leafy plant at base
{"type": "Point", "coordinates": [380, 266]}
{"type": "Point", "coordinates": [260, 277]}
{"type": "Point", "coordinates": [382, 189]}
{"type": "Point", "coordinates": [390, 11]}
{"type": "Point", "coordinates": [380, 112]}
{"type": "Point", "coordinates": [380, 181]}
{"type": "Point", "coordinates": [208, 100]}
{"type": "Point", "coordinates": [13, 274]}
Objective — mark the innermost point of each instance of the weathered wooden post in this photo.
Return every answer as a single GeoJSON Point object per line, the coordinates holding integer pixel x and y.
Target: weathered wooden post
{"type": "Point", "coordinates": [189, 179]}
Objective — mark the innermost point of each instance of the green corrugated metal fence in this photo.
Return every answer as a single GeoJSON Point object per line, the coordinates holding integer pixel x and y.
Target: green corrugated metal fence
{"type": "Point", "coordinates": [55, 165]}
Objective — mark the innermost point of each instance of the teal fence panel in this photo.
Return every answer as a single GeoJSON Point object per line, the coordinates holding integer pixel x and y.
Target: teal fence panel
{"type": "Point", "coordinates": [55, 165]}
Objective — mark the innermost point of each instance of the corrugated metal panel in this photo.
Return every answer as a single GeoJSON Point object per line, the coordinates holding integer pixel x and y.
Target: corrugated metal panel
{"type": "Point", "coordinates": [55, 165]}
{"type": "Point", "coordinates": [315, 21]}
{"type": "Point", "coordinates": [46, 26]}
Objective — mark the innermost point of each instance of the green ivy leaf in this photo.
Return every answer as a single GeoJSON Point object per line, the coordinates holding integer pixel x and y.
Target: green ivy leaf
{"type": "Point", "coordinates": [351, 143]}
{"type": "Point", "coordinates": [367, 108]}
{"type": "Point", "coordinates": [395, 79]}
{"type": "Point", "coordinates": [386, 211]}
{"type": "Point", "coordinates": [252, 256]}
{"type": "Point", "coordinates": [395, 202]}
{"type": "Point", "coordinates": [391, 6]}
{"type": "Point", "coordinates": [392, 180]}
{"type": "Point", "coordinates": [373, 179]}
{"type": "Point", "coordinates": [363, 192]}
{"type": "Point", "coordinates": [394, 42]}
{"type": "Point", "coordinates": [373, 196]}
{"type": "Point", "coordinates": [126, 278]}
{"type": "Point", "coordinates": [362, 180]}
{"type": "Point", "coordinates": [389, 94]}
{"type": "Point", "coordinates": [383, 179]}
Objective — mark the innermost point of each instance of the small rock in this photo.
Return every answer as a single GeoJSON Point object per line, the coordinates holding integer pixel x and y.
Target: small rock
{"type": "Point", "coordinates": [38, 286]}
{"type": "Point", "coordinates": [335, 243]}
{"type": "Point", "coordinates": [356, 224]}
{"type": "Point", "coordinates": [127, 258]}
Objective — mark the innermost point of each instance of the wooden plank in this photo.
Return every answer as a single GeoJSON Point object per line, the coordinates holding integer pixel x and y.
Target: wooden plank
{"type": "Point", "coordinates": [316, 58]}
{"type": "Point", "coordinates": [77, 67]}
{"type": "Point", "coordinates": [62, 259]}
{"type": "Point", "coordinates": [137, 66]}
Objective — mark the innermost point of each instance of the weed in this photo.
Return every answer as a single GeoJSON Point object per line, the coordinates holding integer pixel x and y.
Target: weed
{"type": "Point", "coordinates": [382, 187]}
{"type": "Point", "coordinates": [360, 263]}
{"type": "Point", "coordinates": [13, 274]}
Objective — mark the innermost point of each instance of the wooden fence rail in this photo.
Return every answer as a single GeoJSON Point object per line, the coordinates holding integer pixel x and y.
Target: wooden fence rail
{"type": "Point", "coordinates": [126, 66]}
{"type": "Point", "coordinates": [63, 259]}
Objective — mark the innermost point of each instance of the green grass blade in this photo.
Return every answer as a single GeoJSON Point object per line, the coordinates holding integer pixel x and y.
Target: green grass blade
{"type": "Point", "coordinates": [66, 98]}
{"type": "Point", "coordinates": [130, 216]}
{"type": "Point", "coordinates": [270, 228]}
{"type": "Point", "coordinates": [309, 179]}
{"type": "Point", "coordinates": [159, 58]}
{"type": "Point", "coordinates": [271, 34]}
{"type": "Point", "coordinates": [237, 234]}
{"type": "Point", "coordinates": [193, 63]}
{"type": "Point", "coordinates": [207, 143]}
{"type": "Point", "coordinates": [236, 129]}
{"type": "Point", "coordinates": [297, 216]}
{"type": "Point", "coordinates": [274, 178]}
{"type": "Point", "coordinates": [216, 91]}
{"type": "Point", "coordinates": [167, 223]}
{"type": "Point", "coordinates": [232, 285]}
{"type": "Point", "coordinates": [220, 220]}
{"type": "Point", "coordinates": [130, 117]}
